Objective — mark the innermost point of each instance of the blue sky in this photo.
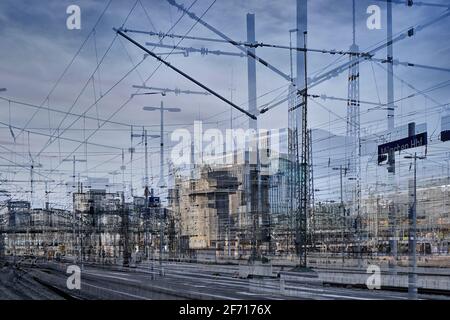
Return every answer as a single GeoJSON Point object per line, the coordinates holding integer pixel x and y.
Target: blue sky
{"type": "Point", "coordinates": [37, 47]}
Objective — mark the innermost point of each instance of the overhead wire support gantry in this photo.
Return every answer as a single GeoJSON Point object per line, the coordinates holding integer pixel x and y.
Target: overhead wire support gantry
{"type": "Point", "coordinates": [176, 91]}
{"type": "Point", "coordinates": [203, 51]}
{"type": "Point", "coordinates": [244, 44]}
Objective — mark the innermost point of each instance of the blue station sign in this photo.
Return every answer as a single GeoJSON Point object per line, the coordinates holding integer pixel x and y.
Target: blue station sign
{"type": "Point", "coordinates": [414, 141]}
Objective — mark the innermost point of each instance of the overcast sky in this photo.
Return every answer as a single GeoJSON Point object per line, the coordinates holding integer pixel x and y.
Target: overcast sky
{"type": "Point", "coordinates": [36, 48]}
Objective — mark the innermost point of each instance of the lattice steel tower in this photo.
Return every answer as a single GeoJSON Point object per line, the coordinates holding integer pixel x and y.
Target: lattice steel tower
{"type": "Point", "coordinates": [298, 143]}
{"type": "Point", "coordinates": [353, 129]}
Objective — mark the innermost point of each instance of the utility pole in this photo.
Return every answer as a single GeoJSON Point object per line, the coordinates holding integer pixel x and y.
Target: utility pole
{"type": "Point", "coordinates": [161, 184]}
{"type": "Point", "coordinates": [252, 170]}
{"type": "Point", "coordinates": [74, 160]}
{"type": "Point", "coordinates": [298, 154]}
{"type": "Point", "coordinates": [390, 82]}
{"type": "Point", "coordinates": [80, 227]}
{"type": "Point", "coordinates": [342, 207]}
{"type": "Point", "coordinates": [412, 218]}
{"type": "Point", "coordinates": [290, 52]}
{"type": "Point", "coordinates": [304, 165]}
{"type": "Point", "coordinates": [131, 150]}
{"type": "Point", "coordinates": [311, 227]}
{"type": "Point", "coordinates": [251, 72]}
{"type": "Point", "coordinates": [32, 183]}
{"type": "Point", "coordinates": [354, 133]}
{"type": "Point", "coordinates": [161, 235]}
{"type": "Point", "coordinates": [391, 126]}
{"type": "Point", "coordinates": [145, 136]}
{"type": "Point", "coordinates": [146, 193]}
{"type": "Point", "coordinates": [162, 109]}
{"type": "Point", "coordinates": [125, 220]}
{"type": "Point", "coordinates": [412, 238]}
{"type": "Point", "coordinates": [448, 168]}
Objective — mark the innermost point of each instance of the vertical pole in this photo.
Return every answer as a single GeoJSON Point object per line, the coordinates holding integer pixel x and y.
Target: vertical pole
{"type": "Point", "coordinates": [290, 54]}
{"type": "Point", "coordinates": [354, 131]}
{"type": "Point", "coordinates": [131, 164]}
{"type": "Point", "coordinates": [312, 200]}
{"type": "Point", "coordinates": [31, 185]}
{"type": "Point", "coordinates": [412, 275]}
{"type": "Point", "coordinates": [146, 196]}
{"type": "Point", "coordinates": [192, 160]}
{"type": "Point", "coordinates": [47, 197]}
{"type": "Point", "coordinates": [391, 125]}
{"type": "Point", "coordinates": [126, 254]}
{"type": "Point", "coordinates": [2, 244]}
{"type": "Point", "coordinates": [146, 160]}
{"type": "Point", "coordinates": [229, 235]}
{"type": "Point", "coordinates": [390, 68]}
{"type": "Point", "coordinates": [161, 185]}
{"type": "Point", "coordinates": [161, 160]}
{"type": "Point", "coordinates": [354, 21]}
{"type": "Point", "coordinates": [80, 225]}
{"type": "Point", "coordinates": [292, 181]}
{"type": "Point", "coordinates": [73, 174]}
{"type": "Point", "coordinates": [304, 157]}
{"type": "Point", "coordinates": [252, 199]}
{"type": "Point", "coordinates": [74, 215]}
{"type": "Point", "coordinates": [298, 127]}
{"type": "Point", "coordinates": [342, 216]}
{"type": "Point", "coordinates": [161, 234]}
{"type": "Point", "coordinates": [448, 168]}
{"type": "Point", "coordinates": [302, 21]}
{"type": "Point", "coordinates": [376, 223]}
{"type": "Point", "coordinates": [251, 71]}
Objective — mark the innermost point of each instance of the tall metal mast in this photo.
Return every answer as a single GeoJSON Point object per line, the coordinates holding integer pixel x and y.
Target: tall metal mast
{"type": "Point", "coordinates": [298, 155]}
{"type": "Point", "coordinates": [391, 126]}
{"type": "Point", "coordinates": [251, 69]}
{"type": "Point", "coordinates": [252, 172]}
{"type": "Point", "coordinates": [354, 132]}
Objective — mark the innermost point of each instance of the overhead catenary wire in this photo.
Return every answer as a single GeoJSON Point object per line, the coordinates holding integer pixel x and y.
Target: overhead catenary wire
{"type": "Point", "coordinates": [66, 69]}
{"type": "Point", "coordinates": [129, 99]}
{"type": "Point", "coordinates": [51, 138]}
{"type": "Point", "coordinates": [184, 74]}
{"type": "Point", "coordinates": [63, 138]}
{"type": "Point", "coordinates": [250, 45]}
{"type": "Point", "coordinates": [412, 3]}
{"type": "Point", "coordinates": [231, 41]}
{"type": "Point", "coordinates": [238, 117]}
{"type": "Point", "coordinates": [102, 97]}
{"type": "Point", "coordinates": [26, 104]}
{"type": "Point", "coordinates": [408, 33]}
